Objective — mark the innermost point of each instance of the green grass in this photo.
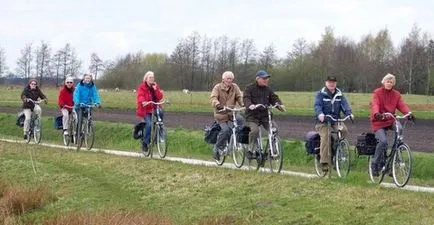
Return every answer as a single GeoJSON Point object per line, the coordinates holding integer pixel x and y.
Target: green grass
{"type": "Point", "coordinates": [297, 103]}
{"type": "Point", "coordinates": [186, 194]}
{"type": "Point", "coordinates": [190, 144]}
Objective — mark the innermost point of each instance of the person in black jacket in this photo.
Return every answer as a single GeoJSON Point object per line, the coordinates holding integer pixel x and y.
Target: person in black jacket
{"type": "Point", "coordinates": [259, 93]}
{"type": "Point", "coordinates": [31, 91]}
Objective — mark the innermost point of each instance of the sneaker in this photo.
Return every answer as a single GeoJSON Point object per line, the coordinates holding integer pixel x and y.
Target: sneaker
{"type": "Point", "coordinates": [65, 132]}
{"type": "Point", "coordinates": [25, 136]}
{"type": "Point", "coordinates": [144, 148]}
{"type": "Point", "coordinates": [325, 167]}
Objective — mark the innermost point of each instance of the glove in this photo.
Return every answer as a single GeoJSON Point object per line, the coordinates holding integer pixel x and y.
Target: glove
{"type": "Point", "coordinates": [321, 117]}
{"type": "Point", "coordinates": [45, 101]}
{"type": "Point", "coordinates": [219, 107]}
{"type": "Point", "coordinates": [252, 107]}
{"type": "Point", "coordinates": [352, 117]}
{"type": "Point", "coordinates": [411, 118]}
{"type": "Point", "coordinates": [98, 106]}
{"type": "Point", "coordinates": [379, 116]}
{"type": "Point", "coordinates": [281, 108]}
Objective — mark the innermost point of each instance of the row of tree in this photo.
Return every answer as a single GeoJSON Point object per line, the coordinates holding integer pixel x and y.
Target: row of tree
{"type": "Point", "coordinates": [197, 63]}
{"type": "Point", "coordinates": [39, 62]}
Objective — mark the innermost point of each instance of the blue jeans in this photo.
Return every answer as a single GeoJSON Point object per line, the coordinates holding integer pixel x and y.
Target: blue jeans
{"type": "Point", "coordinates": [379, 158]}
{"type": "Point", "coordinates": [148, 117]}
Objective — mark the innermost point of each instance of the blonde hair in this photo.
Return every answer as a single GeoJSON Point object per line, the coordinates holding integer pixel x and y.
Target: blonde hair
{"type": "Point", "coordinates": [228, 74]}
{"type": "Point", "coordinates": [389, 77]}
{"type": "Point", "coordinates": [88, 74]}
{"type": "Point", "coordinates": [147, 74]}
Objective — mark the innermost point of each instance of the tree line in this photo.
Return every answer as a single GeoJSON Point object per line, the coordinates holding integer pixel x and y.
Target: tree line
{"type": "Point", "coordinates": [197, 62]}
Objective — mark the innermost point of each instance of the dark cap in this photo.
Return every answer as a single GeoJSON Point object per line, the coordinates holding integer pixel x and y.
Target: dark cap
{"type": "Point", "coordinates": [262, 74]}
{"type": "Point", "coordinates": [331, 78]}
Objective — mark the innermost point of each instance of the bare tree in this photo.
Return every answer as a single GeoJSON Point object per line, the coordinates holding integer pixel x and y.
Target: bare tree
{"type": "Point", "coordinates": [24, 63]}
{"type": "Point", "coordinates": [268, 57]}
{"type": "Point", "coordinates": [43, 58]}
{"type": "Point", "coordinates": [3, 66]}
{"type": "Point", "coordinates": [96, 65]}
{"type": "Point", "coordinates": [57, 64]}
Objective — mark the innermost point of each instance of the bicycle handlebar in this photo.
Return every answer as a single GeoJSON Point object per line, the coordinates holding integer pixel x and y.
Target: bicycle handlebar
{"type": "Point", "coordinates": [267, 107]}
{"type": "Point", "coordinates": [157, 103]}
{"type": "Point", "coordinates": [396, 117]}
{"type": "Point", "coordinates": [339, 120]}
{"type": "Point", "coordinates": [35, 102]}
{"type": "Point", "coordinates": [67, 106]}
{"type": "Point", "coordinates": [232, 109]}
{"type": "Point", "coordinates": [93, 105]}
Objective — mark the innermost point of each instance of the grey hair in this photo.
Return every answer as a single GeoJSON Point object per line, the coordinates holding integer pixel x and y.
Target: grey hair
{"type": "Point", "coordinates": [389, 77]}
{"type": "Point", "coordinates": [228, 74]}
{"type": "Point", "coordinates": [147, 74]}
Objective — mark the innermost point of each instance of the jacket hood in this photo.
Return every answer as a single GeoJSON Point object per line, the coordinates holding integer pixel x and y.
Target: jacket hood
{"type": "Point", "coordinates": [87, 85]}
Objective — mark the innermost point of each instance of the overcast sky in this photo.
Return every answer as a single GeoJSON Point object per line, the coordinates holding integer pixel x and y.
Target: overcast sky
{"type": "Point", "coordinates": [113, 28]}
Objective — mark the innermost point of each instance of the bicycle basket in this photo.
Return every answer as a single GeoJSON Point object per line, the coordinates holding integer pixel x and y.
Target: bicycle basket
{"type": "Point", "coordinates": [366, 144]}
{"type": "Point", "coordinates": [20, 119]}
{"type": "Point", "coordinates": [312, 142]}
{"type": "Point", "coordinates": [243, 134]}
{"type": "Point", "coordinates": [211, 133]}
{"type": "Point", "coordinates": [58, 123]}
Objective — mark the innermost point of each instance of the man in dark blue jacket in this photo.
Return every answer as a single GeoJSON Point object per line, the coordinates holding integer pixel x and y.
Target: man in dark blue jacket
{"type": "Point", "coordinates": [329, 101]}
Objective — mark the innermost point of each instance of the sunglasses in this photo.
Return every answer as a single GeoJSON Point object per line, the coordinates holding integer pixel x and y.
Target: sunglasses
{"type": "Point", "coordinates": [69, 82]}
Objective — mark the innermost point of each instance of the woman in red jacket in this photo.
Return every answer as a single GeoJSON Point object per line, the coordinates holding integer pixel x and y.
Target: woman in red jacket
{"type": "Point", "coordinates": [147, 91]}
{"type": "Point", "coordinates": [66, 103]}
{"type": "Point", "coordinates": [385, 99]}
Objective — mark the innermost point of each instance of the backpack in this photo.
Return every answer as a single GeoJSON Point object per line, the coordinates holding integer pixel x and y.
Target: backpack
{"type": "Point", "coordinates": [243, 134]}
{"type": "Point", "coordinates": [138, 130]}
{"type": "Point", "coordinates": [58, 122]}
{"type": "Point", "coordinates": [366, 144]}
{"type": "Point", "coordinates": [211, 133]}
{"type": "Point", "coordinates": [20, 119]}
{"type": "Point", "coordinates": [312, 142]}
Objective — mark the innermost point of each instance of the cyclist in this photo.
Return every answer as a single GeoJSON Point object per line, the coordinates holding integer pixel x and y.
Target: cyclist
{"type": "Point", "coordinates": [147, 91]}
{"type": "Point", "coordinates": [31, 91]}
{"type": "Point", "coordinates": [86, 93]}
{"type": "Point", "coordinates": [385, 99]}
{"type": "Point", "coordinates": [259, 93]}
{"type": "Point", "coordinates": [65, 102]}
{"type": "Point", "coordinates": [329, 101]}
{"type": "Point", "coordinates": [224, 94]}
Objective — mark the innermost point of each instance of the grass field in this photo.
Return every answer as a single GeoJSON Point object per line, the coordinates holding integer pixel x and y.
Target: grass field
{"type": "Point", "coordinates": [88, 185]}
{"type": "Point", "coordinates": [190, 144]}
{"type": "Point", "coordinates": [297, 103]}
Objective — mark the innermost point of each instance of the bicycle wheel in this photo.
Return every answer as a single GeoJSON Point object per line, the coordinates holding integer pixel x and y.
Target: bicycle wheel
{"type": "Point", "coordinates": [343, 158]}
{"type": "Point", "coordinates": [73, 131]}
{"type": "Point", "coordinates": [37, 131]}
{"type": "Point", "coordinates": [79, 135]}
{"type": "Point", "coordinates": [89, 134]}
{"type": "Point", "coordinates": [401, 165]}
{"type": "Point", "coordinates": [238, 150]}
{"type": "Point", "coordinates": [374, 179]}
{"type": "Point", "coordinates": [161, 140]}
{"type": "Point", "coordinates": [317, 165]}
{"type": "Point", "coordinates": [276, 157]}
{"type": "Point", "coordinates": [67, 138]}
{"type": "Point", "coordinates": [222, 155]}
{"type": "Point", "coordinates": [254, 157]}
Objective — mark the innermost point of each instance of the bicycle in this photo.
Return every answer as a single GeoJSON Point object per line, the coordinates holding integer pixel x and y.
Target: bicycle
{"type": "Point", "coordinates": [35, 130]}
{"type": "Point", "coordinates": [233, 145]}
{"type": "Point", "coordinates": [85, 126]}
{"type": "Point", "coordinates": [400, 157]}
{"type": "Point", "coordinates": [340, 150]}
{"type": "Point", "coordinates": [273, 150]}
{"type": "Point", "coordinates": [72, 126]}
{"type": "Point", "coordinates": [158, 132]}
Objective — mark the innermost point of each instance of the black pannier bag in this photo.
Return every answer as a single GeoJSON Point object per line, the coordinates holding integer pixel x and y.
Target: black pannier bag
{"type": "Point", "coordinates": [211, 133]}
{"type": "Point", "coordinates": [312, 142]}
{"type": "Point", "coordinates": [366, 144]}
{"type": "Point", "coordinates": [138, 130]}
{"type": "Point", "coordinates": [243, 134]}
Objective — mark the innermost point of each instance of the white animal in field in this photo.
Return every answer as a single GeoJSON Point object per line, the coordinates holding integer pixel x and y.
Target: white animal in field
{"type": "Point", "coordinates": [117, 89]}
{"type": "Point", "coordinates": [134, 90]}
{"type": "Point", "coordinates": [102, 90]}
{"type": "Point", "coordinates": [185, 91]}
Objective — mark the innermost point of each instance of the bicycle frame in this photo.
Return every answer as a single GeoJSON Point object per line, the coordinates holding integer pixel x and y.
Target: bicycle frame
{"type": "Point", "coordinates": [272, 131]}
{"type": "Point", "coordinates": [84, 121]}
{"type": "Point", "coordinates": [159, 122]}
{"type": "Point", "coordinates": [33, 119]}
{"type": "Point", "coordinates": [235, 126]}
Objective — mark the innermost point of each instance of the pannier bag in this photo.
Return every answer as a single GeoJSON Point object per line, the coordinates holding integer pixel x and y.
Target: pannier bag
{"type": "Point", "coordinates": [211, 133]}
{"type": "Point", "coordinates": [138, 130]}
{"type": "Point", "coordinates": [20, 119]}
{"type": "Point", "coordinates": [58, 123]}
{"type": "Point", "coordinates": [243, 134]}
{"type": "Point", "coordinates": [366, 144]}
{"type": "Point", "coordinates": [312, 142]}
